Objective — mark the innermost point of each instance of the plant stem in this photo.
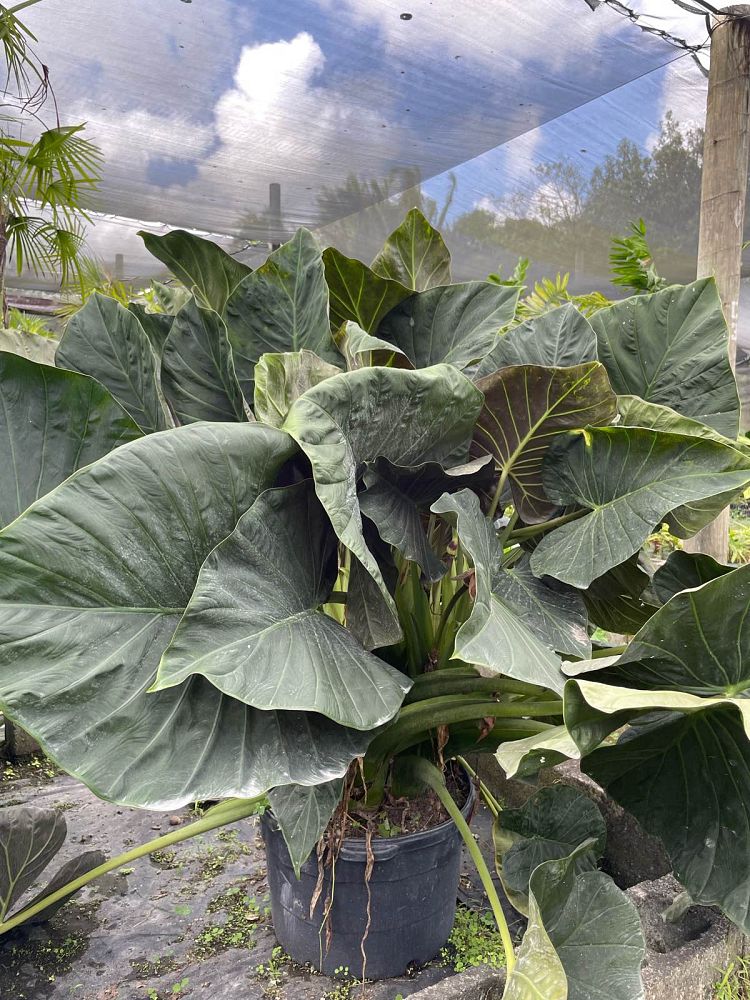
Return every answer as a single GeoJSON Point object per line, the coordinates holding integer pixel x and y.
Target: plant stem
{"type": "Point", "coordinates": [444, 617]}
{"type": "Point", "coordinates": [499, 491]}
{"type": "Point", "coordinates": [451, 681]}
{"type": "Point", "coordinates": [221, 815]}
{"type": "Point", "coordinates": [492, 804]}
{"type": "Point", "coordinates": [537, 529]}
{"type": "Point", "coordinates": [430, 775]}
{"type": "Point", "coordinates": [508, 529]}
{"type": "Point", "coordinates": [608, 651]}
{"type": "Point", "coordinates": [416, 720]}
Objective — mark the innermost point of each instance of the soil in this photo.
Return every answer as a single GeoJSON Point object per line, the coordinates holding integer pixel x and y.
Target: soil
{"type": "Point", "coordinates": [400, 816]}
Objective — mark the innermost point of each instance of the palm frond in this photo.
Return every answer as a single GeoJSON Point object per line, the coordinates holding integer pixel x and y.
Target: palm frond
{"type": "Point", "coordinates": [631, 261]}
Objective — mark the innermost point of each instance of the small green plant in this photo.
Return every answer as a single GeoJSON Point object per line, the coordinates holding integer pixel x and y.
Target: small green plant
{"type": "Point", "coordinates": [343, 990]}
{"type": "Point", "coordinates": [735, 982]}
{"type": "Point", "coordinates": [272, 971]}
{"type": "Point", "coordinates": [739, 540]}
{"type": "Point", "coordinates": [179, 988]}
{"type": "Point", "coordinates": [474, 941]}
{"type": "Point", "coordinates": [27, 323]}
{"type": "Point", "coordinates": [237, 930]}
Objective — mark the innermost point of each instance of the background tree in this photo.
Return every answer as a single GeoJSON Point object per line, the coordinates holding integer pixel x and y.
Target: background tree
{"type": "Point", "coordinates": [47, 171]}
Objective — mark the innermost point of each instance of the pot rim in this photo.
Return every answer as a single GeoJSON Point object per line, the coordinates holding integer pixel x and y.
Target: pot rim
{"type": "Point", "coordinates": [355, 848]}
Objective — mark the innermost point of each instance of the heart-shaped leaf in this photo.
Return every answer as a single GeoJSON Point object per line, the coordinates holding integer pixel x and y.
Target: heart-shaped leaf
{"type": "Point", "coordinates": [52, 422]}
{"type": "Point", "coordinates": [524, 758]}
{"type": "Point", "coordinates": [455, 324]}
{"type": "Point", "coordinates": [584, 940]}
{"type": "Point", "coordinates": [525, 407]}
{"type": "Point", "coordinates": [282, 378]}
{"type": "Point", "coordinates": [199, 264]}
{"type": "Point", "coordinates": [686, 775]}
{"type": "Point", "coordinates": [197, 370]}
{"type": "Point", "coordinates": [283, 306]}
{"type": "Point", "coordinates": [551, 825]}
{"type": "Point", "coordinates": [415, 254]}
{"type": "Point", "coordinates": [503, 633]}
{"type": "Point", "coordinates": [407, 417]}
{"type": "Point", "coordinates": [155, 325]}
{"type": "Point", "coordinates": [561, 338]}
{"type": "Point", "coordinates": [358, 293]}
{"type": "Point", "coordinates": [684, 521]}
{"type": "Point", "coordinates": [361, 349]}
{"type": "Point", "coordinates": [617, 601]}
{"type": "Point", "coordinates": [253, 627]}
{"type": "Point", "coordinates": [69, 872]}
{"type": "Point", "coordinates": [397, 497]}
{"type": "Point", "coordinates": [685, 571]}
{"type": "Point", "coordinates": [31, 346]}
{"type": "Point", "coordinates": [672, 348]}
{"type": "Point", "coordinates": [303, 813]}
{"type": "Point", "coordinates": [629, 478]}
{"type": "Point", "coordinates": [94, 579]}
{"type": "Point", "coordinates": [29, 840]}
{"type": "Point", "coordinates": [105, 340]}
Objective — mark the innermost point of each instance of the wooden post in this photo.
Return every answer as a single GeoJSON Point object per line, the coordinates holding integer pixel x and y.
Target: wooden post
{"type": "Point", "coordinates": [725, 170]}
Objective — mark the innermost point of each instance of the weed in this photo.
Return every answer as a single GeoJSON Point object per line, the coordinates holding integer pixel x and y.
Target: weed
{"type": "Point", "coordinates": [179, 988]}
{"type": "Point", "coordinates": [735, 982]}
{"type": "Point", "coordinates": [237, 930]}
{"type": "Point", "coordinates": [474, 941]}
{"type": "Point", "coordinates": [154, 967]}
{"type": "Point", "coordinates": [165, 859]}
{"type": "Point", "coordinates": [272, 972]}
{"type": "Point", "coordinates": [343, 990]}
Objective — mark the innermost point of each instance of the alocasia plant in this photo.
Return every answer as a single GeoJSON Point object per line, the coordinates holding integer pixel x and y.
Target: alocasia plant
{"type": "Point", "coordinates": [327, 511]}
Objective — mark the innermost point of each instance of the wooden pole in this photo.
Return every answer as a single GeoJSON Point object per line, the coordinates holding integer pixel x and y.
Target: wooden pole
{"type": "Point", "coordinates": [726, 157]}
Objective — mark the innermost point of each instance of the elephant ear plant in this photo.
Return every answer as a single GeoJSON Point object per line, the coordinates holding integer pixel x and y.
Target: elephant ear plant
{"type": "Point", "coordinates": [331, 526]}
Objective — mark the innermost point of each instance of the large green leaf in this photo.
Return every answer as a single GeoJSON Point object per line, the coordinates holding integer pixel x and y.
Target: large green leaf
{"type": "Point", "coordinates": [197, 371]}
{"type": "Point", "coordinates": [105, 340]}
{"type": "Point", "coordinates": [155, 325]}
{"type": "Point", "coordinates": [684, 571]}
{"type": "Point", "coordinates": [504, 633]}
{"type": "Point", "coordinates": [584, 940]}
{"type": "Point", "coordinates": [455, 324]}
{"type": "Point", "coordinates": [31, 346]}
{"type": "Point", "coordinates": [630, 478]}
{"type": "Point", "coordinates": [29, 840]}
{"type": "Point", "coordinates": [253, 626]}
{"type": "Point", "coordinates": [303, 813]}
{"type": "Point", "coordinates": [525, 407]}
{"type": "Point", "coordinates": [407, 417]}
{"type": "Point", "coordinates": [524, 758]}
{"type": "Point", "coordinates": [52, 422]}
{"type": "Point", "coordinates": [415, 254]}
{"type": "Point", "coordinates": [684, 770]}
{"type": "Point", "coordinates": [283, 306]}
{"type": "Point", "coordinates": [685, 520]}
{"type": "Point", "coordinates": [361, 349]}
{"type": "Point", "coordinates": [617, 600]}
{"type": "Point", "coordinates": [282, 378]}
{"type": "Point", "coordinates": [561, 338]}
{"type": "Point", "coordinates": [94, 579]}
{"type": "Point", "coordinates": [199, 264]}
{"type": "Point", "coordinates": [396, 499]}
{"type": "Point", "coordinates": [551, 825]}
{"type": "Point", "coordinates": [672, 348]}
{"type": "Point", "coordinates": [357, 293]}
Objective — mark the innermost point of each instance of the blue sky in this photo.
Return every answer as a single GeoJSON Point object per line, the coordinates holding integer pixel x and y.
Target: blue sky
{"type": "Point", "coordinates": [199, 106]}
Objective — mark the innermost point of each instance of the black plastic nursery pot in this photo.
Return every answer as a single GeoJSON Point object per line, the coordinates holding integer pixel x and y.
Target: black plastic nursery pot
{"type": "Point", "coordinates": [412, 892]}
